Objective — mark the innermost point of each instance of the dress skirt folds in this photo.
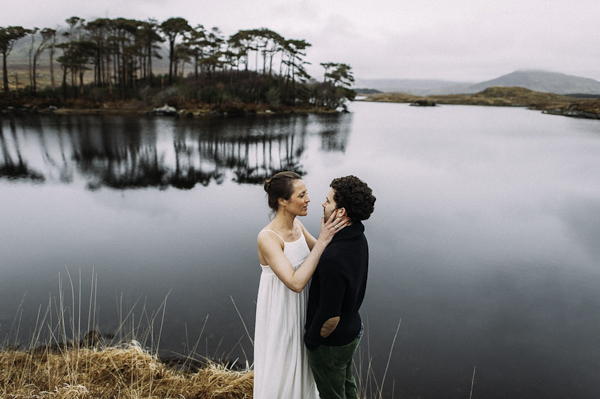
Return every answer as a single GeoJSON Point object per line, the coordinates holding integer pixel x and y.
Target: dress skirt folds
{"type": "Point", "coordinates": [281, 368]}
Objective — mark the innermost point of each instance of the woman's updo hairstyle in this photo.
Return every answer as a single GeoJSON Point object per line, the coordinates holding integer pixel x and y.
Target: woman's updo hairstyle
{"type": "Point", "coordinates": [281, 185]}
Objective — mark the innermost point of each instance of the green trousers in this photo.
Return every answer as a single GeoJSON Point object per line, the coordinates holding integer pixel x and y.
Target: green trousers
{"type": "Point", "coordinates": [332, 369]}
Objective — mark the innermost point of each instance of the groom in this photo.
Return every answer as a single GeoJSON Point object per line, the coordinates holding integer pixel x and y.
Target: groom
{"type": "Point", "coordinates": [333, 325]}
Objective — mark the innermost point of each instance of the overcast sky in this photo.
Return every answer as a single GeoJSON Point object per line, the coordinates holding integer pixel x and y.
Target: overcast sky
{"type": "Point", "coordinates": [456, 40]}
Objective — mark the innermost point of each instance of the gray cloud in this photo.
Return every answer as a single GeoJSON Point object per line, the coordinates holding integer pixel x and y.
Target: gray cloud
{"type": "Point", "coordinates": [451, 40]}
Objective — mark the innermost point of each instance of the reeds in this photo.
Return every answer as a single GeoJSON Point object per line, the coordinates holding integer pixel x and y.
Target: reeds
{"type": "Point", "coordinates": [368, 386]}
{"type": "Point", "coordinates": [62, 362]}
{"type": "Point", "coordinates": [125, 372]}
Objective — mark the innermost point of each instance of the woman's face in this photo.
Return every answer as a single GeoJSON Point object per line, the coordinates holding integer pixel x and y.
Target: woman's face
{"type": "Point", "coordinates": [298, 202]}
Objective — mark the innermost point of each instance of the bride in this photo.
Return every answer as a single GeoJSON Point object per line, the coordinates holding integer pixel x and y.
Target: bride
{"type": "Point", "coordinates": [288, 256]}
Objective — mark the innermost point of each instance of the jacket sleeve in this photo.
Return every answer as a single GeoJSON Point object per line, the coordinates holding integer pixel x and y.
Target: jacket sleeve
{"type": "Point", "coordinates": [332, 289]}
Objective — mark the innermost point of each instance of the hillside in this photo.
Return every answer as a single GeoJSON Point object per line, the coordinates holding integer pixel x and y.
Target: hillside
{"type": "Point", "coordinates": [496, 96]}
{"type": "Point", "coordinates": [419, 87]}
{"type": "Point", "coordinates": [504, 96]}
{"type": "Point", "coordinates": [541, 81]}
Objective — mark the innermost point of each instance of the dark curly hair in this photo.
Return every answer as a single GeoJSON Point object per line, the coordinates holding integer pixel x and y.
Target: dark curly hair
{"type": "Point", "coordinates": [281, 185]}
{"type": "Point", "coordinates": [355, 196]}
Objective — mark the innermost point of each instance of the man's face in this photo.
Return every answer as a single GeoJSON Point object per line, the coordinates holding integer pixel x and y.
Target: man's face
{"type": "Point", "coordinates": [329, 205]}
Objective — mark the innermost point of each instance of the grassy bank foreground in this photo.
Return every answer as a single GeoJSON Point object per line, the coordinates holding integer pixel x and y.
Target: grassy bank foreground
{"type": "Point", "coordinates": [129, 371]}
{"type": "Point", "coordinates": [115, 372]}
{"type": "Point", "coordinates": [57, 359]}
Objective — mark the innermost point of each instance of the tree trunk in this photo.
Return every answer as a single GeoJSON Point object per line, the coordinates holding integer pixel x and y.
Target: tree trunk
{"type": "Point", "coordinates": [171, 61]}
{"type": "Point", "coordinates": [81, 82]}
{"type": "Point", "coordinates": [33, 72]}
{"type": "Point", "coordinates": [4, 73]}
{"type": "Point", "coordinates": [108, 74]}
{"type": "Point", "coordinates": [64, 83]}
{"type": "Point", "coordinates": [30, 59]}
{"type": "Point", "coordinates": [150, 63]}
{"type": "Point", "coordinates": [52, 80]}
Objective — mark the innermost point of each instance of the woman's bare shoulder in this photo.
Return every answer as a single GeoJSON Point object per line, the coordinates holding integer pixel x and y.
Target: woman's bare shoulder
{"type": "Point", "coordinates": [268, 236]}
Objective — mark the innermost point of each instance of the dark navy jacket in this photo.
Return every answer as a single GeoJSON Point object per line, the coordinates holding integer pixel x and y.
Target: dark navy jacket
{"type": "Point", "coordinates": [338, 288]}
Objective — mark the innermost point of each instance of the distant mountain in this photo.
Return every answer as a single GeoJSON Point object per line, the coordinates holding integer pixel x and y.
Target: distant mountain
{"type": "Point", "coordinates": [419, 87]}
{"type": "Point", "coordinates": [542, 81]}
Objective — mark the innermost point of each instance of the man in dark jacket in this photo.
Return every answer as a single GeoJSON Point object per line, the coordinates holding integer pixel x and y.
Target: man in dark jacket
{"type": "Point", "coordinates": [333, 324]}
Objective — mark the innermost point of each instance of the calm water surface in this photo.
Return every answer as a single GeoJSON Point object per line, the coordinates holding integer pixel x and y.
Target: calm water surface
{"type": "Point", "coordinates": [484, 242]}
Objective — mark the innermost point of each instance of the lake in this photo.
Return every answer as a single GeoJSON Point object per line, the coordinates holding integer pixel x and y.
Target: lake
{"type": "Point", "coordinates": [485, 240]}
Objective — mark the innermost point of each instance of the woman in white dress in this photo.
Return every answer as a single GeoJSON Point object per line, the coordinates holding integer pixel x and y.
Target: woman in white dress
{"type": "Point", "coordinates": [288, 256]}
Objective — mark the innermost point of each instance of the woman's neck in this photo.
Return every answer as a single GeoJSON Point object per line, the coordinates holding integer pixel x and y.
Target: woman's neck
{"type": "Point", "coordinates": [284, 221]}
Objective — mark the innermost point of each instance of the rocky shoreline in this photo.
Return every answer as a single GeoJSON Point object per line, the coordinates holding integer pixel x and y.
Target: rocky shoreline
{"type": "Point", "coordinates": [24, 107]}
{"type": "Point", "coordinates": [577, 110]}
{"type": "Point", "coordinates": [160, 111]}
{"type": "Point", "coordinates": [548, 103]}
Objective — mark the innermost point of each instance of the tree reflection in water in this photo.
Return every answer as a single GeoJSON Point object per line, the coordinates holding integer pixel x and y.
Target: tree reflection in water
{"type": "Point", "coordinates": [9, 167]}
{"type": "Point", "coordinates": [126, 152]}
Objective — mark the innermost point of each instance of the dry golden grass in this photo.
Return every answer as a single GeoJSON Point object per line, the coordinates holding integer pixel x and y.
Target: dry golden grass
{"type": "Point", "coordinates": [65, 366]}
{"type": "Point", "coordinates": [127, 372]}
{"type": "Point", "coordinates": [495, 96]}
{"type": "Point", "coordinates": [68, 364]}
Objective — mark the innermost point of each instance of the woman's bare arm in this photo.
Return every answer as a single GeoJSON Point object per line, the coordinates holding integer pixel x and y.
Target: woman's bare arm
{"type": "Point", "coordinates": [270, 248]}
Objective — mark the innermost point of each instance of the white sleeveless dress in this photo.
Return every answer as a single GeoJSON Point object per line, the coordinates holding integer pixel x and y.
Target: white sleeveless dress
{"type": "Point", "coordinates": [281, 369]}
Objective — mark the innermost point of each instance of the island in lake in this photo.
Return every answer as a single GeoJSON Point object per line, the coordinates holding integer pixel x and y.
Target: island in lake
{"type": "Point", "coordinates": [550, 103]}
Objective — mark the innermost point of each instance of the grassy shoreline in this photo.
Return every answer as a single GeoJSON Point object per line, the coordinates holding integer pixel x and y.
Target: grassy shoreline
{"type": "Point", "coordinates": [125, 371]}
{"type": "Point", "coordinates": [59, 360]}
{"type": "Point", "coordinates": [33, 105]}
{"type": "Point", "coordinates": [549, 103]}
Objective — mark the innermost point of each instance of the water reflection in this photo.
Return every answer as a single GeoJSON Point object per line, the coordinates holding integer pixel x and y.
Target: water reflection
{"type": "Point", "coordinates": [484, 245]}
{"type": "Point", "coordinates": [11, 168]}
{"type": "Point", "coordinates": [135, 152]}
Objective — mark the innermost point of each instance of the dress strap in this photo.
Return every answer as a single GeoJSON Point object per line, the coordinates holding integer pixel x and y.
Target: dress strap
{"type": "Point", "coordinates": [281, 238]}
